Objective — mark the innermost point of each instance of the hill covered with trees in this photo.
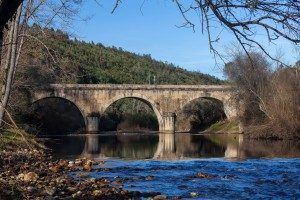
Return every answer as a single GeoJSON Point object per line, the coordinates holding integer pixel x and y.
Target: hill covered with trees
{"type": "Point", "coordinates": [64, 60]}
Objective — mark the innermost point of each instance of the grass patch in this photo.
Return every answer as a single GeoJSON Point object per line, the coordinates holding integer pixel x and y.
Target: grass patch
{"type": "Point", "coordinates": [11, 138]}
{"type": "Point", "coordinates": [224, 127]}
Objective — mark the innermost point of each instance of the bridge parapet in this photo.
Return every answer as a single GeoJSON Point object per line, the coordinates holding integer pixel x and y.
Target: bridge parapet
{"type": "Point", "coordinates": [138, 87]}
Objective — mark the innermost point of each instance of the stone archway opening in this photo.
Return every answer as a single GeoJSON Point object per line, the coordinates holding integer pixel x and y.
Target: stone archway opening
{"type": "Point", "coordinates": [199, 114]}
{"type": "Point", "coordinates": [55, 116]}
{"type": "Point", "coordinates": [129, 114]}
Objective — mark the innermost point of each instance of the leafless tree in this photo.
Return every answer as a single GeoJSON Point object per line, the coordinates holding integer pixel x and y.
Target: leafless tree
{"type": "Point", "coordinates": [7, 9]}
{"type": "Point", "coordinates": [271, 97]}
{"type": "Point", "coordinates": [42, 13]}
{"type": "Point", "coordinates": [245, 19]}
{"type": "Point", "coordinates": [10, 62]}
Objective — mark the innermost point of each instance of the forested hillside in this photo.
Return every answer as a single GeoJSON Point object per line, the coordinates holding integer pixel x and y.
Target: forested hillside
{"type": "Point", "coordinates": [73, 61]}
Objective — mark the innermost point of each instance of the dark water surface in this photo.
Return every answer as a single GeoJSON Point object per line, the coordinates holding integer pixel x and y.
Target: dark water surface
{"type": "Point", "coordinates": [168, 163]}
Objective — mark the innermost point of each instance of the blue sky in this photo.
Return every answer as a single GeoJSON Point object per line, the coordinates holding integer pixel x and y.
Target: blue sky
{"type": "Point", "coordinates": [152, 30]}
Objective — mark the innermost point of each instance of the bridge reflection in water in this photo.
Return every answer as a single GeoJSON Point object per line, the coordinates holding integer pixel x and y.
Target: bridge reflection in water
{"type": "Point", "coordinates": [168, 146]}
{"type": "Point", "coordinates": [147, 146]}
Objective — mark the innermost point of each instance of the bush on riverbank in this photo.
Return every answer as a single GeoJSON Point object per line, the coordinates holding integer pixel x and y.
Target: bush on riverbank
{"type": "Point", "coordinates": [12, 138]}
{"type": "Point", "coordinates": [271, 98]}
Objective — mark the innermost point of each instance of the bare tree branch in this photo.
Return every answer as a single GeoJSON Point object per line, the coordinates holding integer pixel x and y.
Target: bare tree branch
{"type": "Point", "coordinates": [244, 19]}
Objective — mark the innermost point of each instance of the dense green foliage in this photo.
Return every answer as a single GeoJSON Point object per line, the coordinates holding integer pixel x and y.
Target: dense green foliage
{"type": "Point", "coordinates": [83, 62]}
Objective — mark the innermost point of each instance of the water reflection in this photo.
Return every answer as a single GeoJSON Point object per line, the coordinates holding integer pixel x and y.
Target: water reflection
{"type": "Point", "coordinates": [131, 146]}
{"type": "Point", "coordinates": [168, 146]}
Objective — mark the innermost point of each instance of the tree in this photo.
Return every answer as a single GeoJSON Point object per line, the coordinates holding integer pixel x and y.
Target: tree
{"type": "Point", "coordinates": [244, 19]}
{"type": "Point", "coordinates": [7, 9]}
{"type": "Point", "coordinates": [297, 64]}
{"type": "Point", "coordinates": [271, 97]}
{"type": "Point", "coordinates": [250, 75]}
{"type": "Point", "coordinates": [41, 13]}
{"type": "Point", "coordinates": [10, 62]}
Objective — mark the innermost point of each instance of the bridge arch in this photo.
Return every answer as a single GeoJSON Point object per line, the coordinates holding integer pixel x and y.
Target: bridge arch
{"type": "Point", "coordinates": [209, 97]}
{"type": "Point", "coordinates": [198, 113]}
{"type": "Point", "coordinates": [142, 98]}
{"type": "Point", "coordinates": [227, 102]}
{"type": "Point", "coordinates": [72, 106]}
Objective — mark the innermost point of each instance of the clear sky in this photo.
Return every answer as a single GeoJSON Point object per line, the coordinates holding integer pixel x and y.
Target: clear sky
{"type": "Point", "coordinates": [152, 29]}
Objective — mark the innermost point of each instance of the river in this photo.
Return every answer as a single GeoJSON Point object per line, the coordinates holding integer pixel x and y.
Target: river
{"type": "Point", "coordinates": [190, 165]}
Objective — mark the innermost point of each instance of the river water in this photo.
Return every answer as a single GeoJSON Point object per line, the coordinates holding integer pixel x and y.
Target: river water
{"type": "Point", "coordinates": [169, 164]}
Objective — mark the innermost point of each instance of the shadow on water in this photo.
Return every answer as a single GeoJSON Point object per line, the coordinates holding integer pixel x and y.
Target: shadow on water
{"type": "Point", "coordinates": [136, 146]}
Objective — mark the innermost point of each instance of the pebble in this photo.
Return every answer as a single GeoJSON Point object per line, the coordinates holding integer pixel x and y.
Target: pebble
{"type": "Point", "coordinates": [54, 169]}
{"type": "Point", "coordinates": [63, 163]}
{"type": "Point", "coordinates": [50, 191]}
{"type": "Point", "coordinates": [88, 165]}
{"type": "Point", "coordinates": [30, 189]}
{"type": "Point", "coordinates": [92, 180]}
{"type": "Point", "coordinates": [61, 180]}
{"type": "Point", "coordinates": [160, 197]}
{"type": "Point", "coordinates": [71, 189]}
{"type": "Point", "coordinates": [102, 162]}
{"type": "Point", "coordinates": [97, 192]}
{"type": "Point", "coordinates": [30, 177]}
{"type": "Point", "coordinates": [78, 162]}
{"type": "Point", "coordinates": [203, 175]}
{"type": "Point", "coordinates": [194, 194]}
{"type": "Point", "coordinates": [20, 176]}
{"type": "Point", "coordinates": [77, 194]}
{"type": "Point", "coordinates": [117, 182]}
{"type": "Point", "coordinates": [71, 164]}
{"type": "Point", "coordinates": [149, 178]}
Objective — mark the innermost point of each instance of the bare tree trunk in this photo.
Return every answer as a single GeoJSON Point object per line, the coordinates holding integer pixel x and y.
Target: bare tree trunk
{"type": "Point", "coordinates": [12, 63]}
{"type": "Point", "coordinates": [7, 10]}
{"type": "Point", "coordinates": [5, 59]}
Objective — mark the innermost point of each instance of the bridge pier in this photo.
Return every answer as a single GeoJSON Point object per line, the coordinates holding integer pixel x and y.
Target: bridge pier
{"type": "Point", "coordinates": [168, 123]}
{"type": "Point", "coordinates": [92, 124]}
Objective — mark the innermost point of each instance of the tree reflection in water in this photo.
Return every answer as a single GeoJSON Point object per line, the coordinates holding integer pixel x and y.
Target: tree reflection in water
{"type": "Point", "coordinates": [168, 146]}
{"type": "Point", "coordinates": [159, 146]}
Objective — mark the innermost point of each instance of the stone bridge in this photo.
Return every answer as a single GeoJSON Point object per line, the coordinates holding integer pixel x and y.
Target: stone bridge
{"type": "Point", "coordinates": [166, 100]}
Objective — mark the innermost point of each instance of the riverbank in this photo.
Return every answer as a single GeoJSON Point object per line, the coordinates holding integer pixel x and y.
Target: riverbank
{"type": "Point", "coordinates": [224, 126]}
{"type": "Point", "coordinates": [29, 174]}
{"type": "Point", "coordinates": [132, 166]}
{"type": "Point", "coordinates": [32, 173]}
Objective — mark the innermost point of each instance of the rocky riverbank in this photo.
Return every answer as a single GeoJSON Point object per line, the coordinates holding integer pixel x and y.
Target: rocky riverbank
{"type": "Point", "coordinates": [31, 174]}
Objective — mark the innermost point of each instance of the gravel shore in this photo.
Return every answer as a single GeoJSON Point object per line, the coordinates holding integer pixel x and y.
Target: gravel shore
{"type": "Point", "coordinates": [32, 174]}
